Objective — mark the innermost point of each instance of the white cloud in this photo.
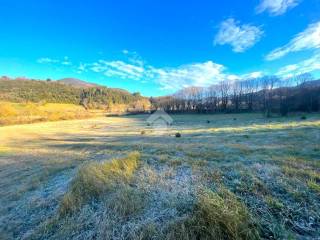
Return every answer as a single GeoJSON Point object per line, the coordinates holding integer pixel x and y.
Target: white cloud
{"type": "Point", "coordinates": [82, 67]}
{"type": "Point", "coordinates": [197, 74]}
{"type": "Point", "coordinates": [125, 51]}
{"type": "Point", "coordinates": [308, 39]}
{"type": "Point", "coordinates": [66, 61]}
{"type": "Point", "coordinates": [47, 60]}
{"type": "Point", "coordinates": [133, 57]}
{"type": "Point", "coordinates": [306, 66]}
{"type": "Point", "coordinates": [118, 69]}
{"type": "Point", "coordinates": [287, 69]}
{"type": "Point", "coordinates": [257, 74]}
{"type": "Point", "coordinates": [240, 37]}
{"type": "Point", "coordinates": [276, 7]}
{"type": "Point", "coordinates": [201, 74]}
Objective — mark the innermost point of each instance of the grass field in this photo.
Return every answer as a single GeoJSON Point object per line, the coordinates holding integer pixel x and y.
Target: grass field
{"type": "Point", "coordinates": [21, 113]}
{"type": "Point", "coordinates": [232, 176]}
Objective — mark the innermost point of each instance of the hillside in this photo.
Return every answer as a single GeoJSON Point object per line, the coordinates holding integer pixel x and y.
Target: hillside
{"type": "Point", "coordinates": [70, 91]}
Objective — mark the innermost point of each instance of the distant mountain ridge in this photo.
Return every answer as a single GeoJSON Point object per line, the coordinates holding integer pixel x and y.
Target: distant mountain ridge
{"type": "Point", "coordinates": [77, 83]}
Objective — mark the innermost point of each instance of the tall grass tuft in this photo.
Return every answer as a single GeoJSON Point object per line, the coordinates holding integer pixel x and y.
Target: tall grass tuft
{"type": "Point", "coordinates": [95, 179]}
{"type": "Point", "coordinates": [216, 215]}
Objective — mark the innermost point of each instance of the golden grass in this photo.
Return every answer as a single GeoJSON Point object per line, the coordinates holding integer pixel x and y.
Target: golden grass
{"type": "Point", "coordinates": [17, 113]}
{"type": "Point", "coordinates": [94, 179]}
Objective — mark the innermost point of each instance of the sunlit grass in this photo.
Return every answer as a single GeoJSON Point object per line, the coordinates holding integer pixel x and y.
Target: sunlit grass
{"type": "Point", "coordinates": [216, 215]}
{"type": "Point", "coordinates": [18, 113]}
{"type": "Point", "coordinates": [314, 186]}
{"type": "Point", "coordinates": [94, 179]}
{"type": "Point", "coordinates": [268, 168]}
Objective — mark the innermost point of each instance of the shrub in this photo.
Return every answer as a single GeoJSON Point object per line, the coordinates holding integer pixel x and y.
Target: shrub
{"type": "Point", "coordinates": [94, 179]}
{"type": "Point", "coordinates": [208, 121]}
{"type": "Point", "coordinates": [178, 135]}
{"type": "Point", "coordinates": [143, 132]}
{"type": "Point", "coordinates": [303, 117]}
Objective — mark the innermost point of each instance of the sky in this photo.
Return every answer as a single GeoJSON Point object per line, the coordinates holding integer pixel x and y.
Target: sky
{"type": "Point", "coordinates": [158, 47]}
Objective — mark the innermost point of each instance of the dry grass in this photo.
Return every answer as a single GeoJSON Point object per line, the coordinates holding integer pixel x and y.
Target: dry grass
{"type": "Point", "coordinates": [95, 179]}
{"type": "Point", "coordinates": [18, 113]}
{"type": "Point", "coordinates": [127, 201]}
{"type": "Point", "coordinates": [268, 170]}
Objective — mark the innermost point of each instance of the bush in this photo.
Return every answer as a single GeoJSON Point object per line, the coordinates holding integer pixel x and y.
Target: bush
{"type": "Point", "coordinates": [178, 135]}
{"type": "Point", "coordinates": [94, 179]}
{"type": "Point", "coordinates": [143, 132]}
{"type": "Point", "coordinates": [208, 121]}
{"type": "Point", "coordinates": [303, 117]}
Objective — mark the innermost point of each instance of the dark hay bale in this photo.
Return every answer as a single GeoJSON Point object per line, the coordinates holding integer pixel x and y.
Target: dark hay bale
{"type": "Point", "coordinates": [178, 135]}
{"type": "Point", "coordinates": [143, 132]}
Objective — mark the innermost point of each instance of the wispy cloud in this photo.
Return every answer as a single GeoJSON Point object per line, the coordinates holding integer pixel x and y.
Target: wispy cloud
{"type": "Point", "coordinates": [125, 51]}
{"type": "Point", "coordinates": [308, 39]}
{"type": "Point", "coordinates": [276, 7]}
{"type": "Point", "coordinates": [66, 61]}
{"type": "Point", "coordinates": [197, 74]}
{"type": "Point", "coordinates": [256, 74]}
{"type": "Point", "coordinates": [306, 66]}
{"type": "Point", "coordinates": [240, 37]}
{"type": "Point", "coordinates": [118, 69]}
{"type": "Point", "coordinates": [47, 60]}
{"type": "Point", "coordinates": [133, 57]}
{"type": "Point", "coordinates": [169, 78]}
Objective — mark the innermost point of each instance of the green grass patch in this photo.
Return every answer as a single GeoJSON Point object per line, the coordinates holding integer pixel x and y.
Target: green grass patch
{"type": "Point", "coordinates": [301, 173]}
{"type": "Point", "coordinates": [216, 215]}
{"type": "Point", "coordinates": [314, 186]}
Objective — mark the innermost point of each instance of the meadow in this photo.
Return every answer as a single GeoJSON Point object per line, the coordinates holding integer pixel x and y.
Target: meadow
{"type": "Point", "coordinates": [228, 176]}
{"type": "Point", "coordinates": [20, 113]}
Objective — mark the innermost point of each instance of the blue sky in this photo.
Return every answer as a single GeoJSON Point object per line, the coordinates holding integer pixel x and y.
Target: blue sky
{"type": "Point", "coordinates": [157, 47]}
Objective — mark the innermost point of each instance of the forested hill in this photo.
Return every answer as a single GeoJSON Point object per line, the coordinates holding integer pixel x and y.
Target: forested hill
{"type": "Point", "coordinates": [95, 96]}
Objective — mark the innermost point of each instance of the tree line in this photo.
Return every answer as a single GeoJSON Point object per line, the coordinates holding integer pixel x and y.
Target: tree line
{"type": "Point", "coordinates": [268, 94]}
